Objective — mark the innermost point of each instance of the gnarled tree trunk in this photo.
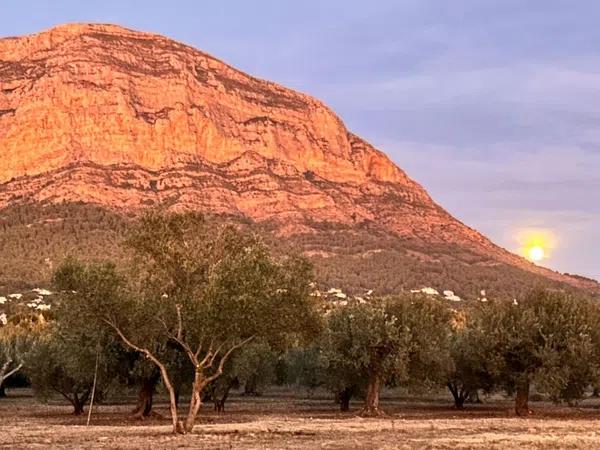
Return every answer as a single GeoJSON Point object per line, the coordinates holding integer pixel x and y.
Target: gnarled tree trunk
{"type": "Point", "coordinates": [178, 427]}
{"type": "Point", "coordinates": [77, 407]}
{"type": "Point", "coordinates": [459, 394]}
{"type": "Point", "coordinates": [371, 407]}
{"type": "Point", "coordinates": [219, 402]}
{"type": "Point", "coordinates": [201, 380]}
{"type": "Point", "coordinates": [344, 397]}
{"type": "Point", "coordinates": [196, 400]}
{"type": "Point", "coordinates": [522, 398]}
{"type": "Point", "coordinates": [78, 402]}
{"type": "Point", "coordinates": [145, 397]}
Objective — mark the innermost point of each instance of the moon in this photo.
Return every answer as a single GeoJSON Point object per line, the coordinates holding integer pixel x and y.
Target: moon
{"type": "Point", "coordinates": [536, 253]}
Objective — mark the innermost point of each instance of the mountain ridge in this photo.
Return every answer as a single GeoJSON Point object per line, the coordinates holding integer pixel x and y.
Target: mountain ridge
{"type": "Point", "coordinates": [126, 119]}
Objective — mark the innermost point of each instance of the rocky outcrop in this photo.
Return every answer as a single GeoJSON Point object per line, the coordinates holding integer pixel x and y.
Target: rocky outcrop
{"type": "Point", "coordinates": [108, 95]}
{"type": "Point", "coordinates": [106, 115]}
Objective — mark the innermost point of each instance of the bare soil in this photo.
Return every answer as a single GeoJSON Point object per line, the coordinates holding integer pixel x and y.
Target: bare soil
{"type": "Point", "coordinates": [285, 420]}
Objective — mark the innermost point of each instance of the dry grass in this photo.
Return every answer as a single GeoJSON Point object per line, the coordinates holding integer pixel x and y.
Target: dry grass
{"type": "Point", "coordinates": [286, 421]}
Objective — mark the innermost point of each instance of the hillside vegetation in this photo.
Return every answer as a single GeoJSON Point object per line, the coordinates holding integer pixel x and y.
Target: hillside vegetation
{"type": "Point", "coordinates": [35, 238]}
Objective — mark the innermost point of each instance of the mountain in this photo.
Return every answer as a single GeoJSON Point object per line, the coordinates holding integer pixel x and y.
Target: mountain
{"type": "Point", "coordinates": [115, 120]}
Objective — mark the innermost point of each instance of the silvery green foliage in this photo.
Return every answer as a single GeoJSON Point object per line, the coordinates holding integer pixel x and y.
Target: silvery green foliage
{"type": "Point", "coordinates": [203, 288]}
{"type": "Point", "coordinates": [548, 339]}
{"type": "Point", "coordinates": [403, 339]}
{"type": "Point", "coordinates": [17, 337]}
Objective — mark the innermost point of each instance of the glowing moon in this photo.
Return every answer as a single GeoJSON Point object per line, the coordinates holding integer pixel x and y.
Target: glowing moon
{"type": "Point", "coordinates": [536, 244]}
{"type": "Point", "coordinates": [536, 253]}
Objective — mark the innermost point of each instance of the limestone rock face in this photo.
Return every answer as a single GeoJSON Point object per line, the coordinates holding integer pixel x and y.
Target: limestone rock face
{"type": "Point", "coordinates": [107, 95]}
{"type": "Point", "coordinates": [125, 119]}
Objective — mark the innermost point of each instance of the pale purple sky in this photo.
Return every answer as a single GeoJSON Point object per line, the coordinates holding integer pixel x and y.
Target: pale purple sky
{"type": "Point", "coordinates": [493, 105]}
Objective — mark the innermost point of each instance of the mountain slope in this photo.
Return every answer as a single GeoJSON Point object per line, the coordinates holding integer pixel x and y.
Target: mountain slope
{"type": "Point", "coordinates": [122, 119]}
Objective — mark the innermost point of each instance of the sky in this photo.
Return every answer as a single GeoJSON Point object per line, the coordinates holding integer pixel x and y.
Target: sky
{"type": "Point", "coordinates": [492, 105]}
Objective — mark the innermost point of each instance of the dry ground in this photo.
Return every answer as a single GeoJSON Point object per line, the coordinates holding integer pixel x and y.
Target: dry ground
{"type": "Point", "coordinates": [285, 420]}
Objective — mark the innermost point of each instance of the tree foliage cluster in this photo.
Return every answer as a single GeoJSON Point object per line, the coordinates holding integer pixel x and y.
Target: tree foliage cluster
{"type": "Point", "coordinates": [198, 294]}
{"type": "Point", "coordinates": [550, 340]}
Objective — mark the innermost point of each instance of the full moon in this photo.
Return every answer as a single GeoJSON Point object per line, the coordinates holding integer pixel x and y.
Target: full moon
{"type": "Point", "coordinates": [536, 253]}
{"type": "Point", "coordinates": [536, 244]}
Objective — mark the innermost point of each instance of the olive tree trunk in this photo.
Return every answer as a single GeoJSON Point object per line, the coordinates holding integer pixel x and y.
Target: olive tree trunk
{"type": "Point", "coordinates": [219, 402]}
{"type": "Point", "coordinates": [145, 396]}
{"type": "Point", "coordinates": [344, 397]}
{"type": "Point", "coordinates": [78, 404]}
{"type": "Point", "coordinates": [371, 407]}
{"type": "Point", "coordinates": [460, 394]}
{"type": "Point", "coordinates": [78, 401]}
{"type": "Point", "coordinates": [178, 427]}
{"type": "Point", "coordinates": [522, 399]}
{"type": "Point", "coordinates": [196, 399]}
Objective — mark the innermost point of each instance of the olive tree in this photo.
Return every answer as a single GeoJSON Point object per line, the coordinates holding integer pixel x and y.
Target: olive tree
{"type": "Point", "coordinates": [398, 339]}
{"type": "Point", "coordinates": [341, 378]}
{"type": "Point", "coordinates": [208, 289]}
{"type": "Point", "coordinates": [77, 330]}
{"type": "Point", "coordinates": [469, 371]}
{"type": "Point", "coordinates": [17, 337]}
{"type": "Point", "coordinates": [545, 339]}
{"type": "Point", "coordinates": [71, 368]}
{"type": "Point", "coordinates": [254, 367]}
{"type": "Point", "coordinates": [76, 356]}
{"type": "Point", "coordinates": [364, 342]}
{"type": "Point", "coordinates": [303, 366]}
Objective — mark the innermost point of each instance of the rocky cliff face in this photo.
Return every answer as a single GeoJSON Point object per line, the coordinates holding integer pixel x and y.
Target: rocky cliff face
{"type": "Point", "coordinates": [105, 115]}
{"type": "Point", "coordinates": [108, 95]}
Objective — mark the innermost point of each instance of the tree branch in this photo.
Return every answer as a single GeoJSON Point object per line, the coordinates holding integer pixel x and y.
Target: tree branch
{"type": "Point", "coordinates": [188, 350]}
{"type": "Point", "coordinates": [212, 358]}
{"type": "Point", "coordinates": [63, 394]}
{"type": "Point", "coordinates": [208, 354]}
{"type": "Point", "coordinates": [199, 349]}
{"type": "Point", "coordinates": [179, 322]}
{"type": "Point", "coordinates": [224, 359]}
{"type": "Point", "coordinates": [124, 338]}
{"type": "Point", "coordinates": [12, 372]}
{"type": "Point", "coordinates": [5, 373]}
{"type": "Point", "coordinates": [5, 367]}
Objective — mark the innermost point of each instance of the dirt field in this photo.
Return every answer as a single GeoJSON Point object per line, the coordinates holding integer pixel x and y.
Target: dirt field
{"type": "Point", "coordinates": [286, 421]}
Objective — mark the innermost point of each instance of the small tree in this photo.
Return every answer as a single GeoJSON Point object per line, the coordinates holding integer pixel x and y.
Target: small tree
{"type": "Point", "coordinates": [364, 342]}
{"type": "Point", "coordinates": [58, 365]}
{"type": "Point", "coordinates": [303, 367]}
{"type": "Point", "coordinates": [429, 320]}
{"type": "Point", "coordinates": [545, 339]}
{"type": "Point", "coordinates": [254, 367]}
{"type": "Point", "coordinates": [394, 339]}
{"type": "Point", "coordinates": [207, 289]}
{"type": "Point", "coordinates": [343, 379]}
{"type": "Point", "coordinates": [469, 371]}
